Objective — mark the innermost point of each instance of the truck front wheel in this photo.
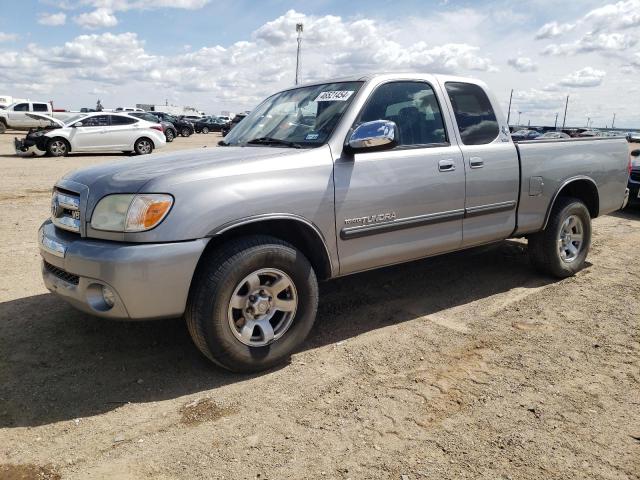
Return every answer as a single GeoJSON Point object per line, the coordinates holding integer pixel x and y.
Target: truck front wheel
{"type": "Point", "coordinates": [252, 303]}
{"type": "Point", "coordinates": [561, 248]}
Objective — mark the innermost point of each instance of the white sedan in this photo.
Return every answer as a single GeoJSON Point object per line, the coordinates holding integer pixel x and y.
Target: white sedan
{"type": "Point", "coordinates": [94, 132]}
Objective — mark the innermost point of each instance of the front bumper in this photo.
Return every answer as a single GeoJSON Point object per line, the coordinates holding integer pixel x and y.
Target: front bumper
{"type": "Point", "coordinates": [149, 280]}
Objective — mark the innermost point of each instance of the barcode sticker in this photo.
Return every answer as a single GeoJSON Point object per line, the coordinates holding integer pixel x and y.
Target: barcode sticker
{"type": "Point", "coordinates": [334, 96]}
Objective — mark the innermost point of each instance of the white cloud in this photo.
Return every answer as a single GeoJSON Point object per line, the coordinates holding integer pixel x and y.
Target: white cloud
{"type": "Point", "coordinates": [602, 42]}
{"type": "Point", "coordinates": [99, 18]}
{"type": "Point", "coordinates": [586, 77]}
{"type": "Point", "coordinates": [52, 19]}
{"type": "Point", "coordinates": [621, 15]}
{"type": "Point", "coordinates": [553, 29]}
{"type": "Point", "coordinates": [124, 5]}
{"type": "Point", "coordinates": [8, 37]}
{"type": "Point", "coordinates": [523, 64]}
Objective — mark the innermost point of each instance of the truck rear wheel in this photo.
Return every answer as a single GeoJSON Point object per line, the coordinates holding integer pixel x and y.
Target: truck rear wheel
{"type": "Point", "coordinates": [252, 303]}
{"type": "Point", "coordinates": [3, 127]}
{"type": "Point", "coordinates": [561, 248]}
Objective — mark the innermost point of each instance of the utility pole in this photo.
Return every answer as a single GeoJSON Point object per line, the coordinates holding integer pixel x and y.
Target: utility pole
{"type": "Point", "coordinates": [519, 113]}
{"type": "Point", "coordinates": [555, 124]}
{"type": "Point", "coordinates": [588, 120]}
{"type": "Point", "coordinates": [299, 28]}
{"type": "Point", "coordinates": [613, 122]}
{"type": "Point", "coordinates": [509, 111]}
{"type": "Point", "coordinates": [566, 105]}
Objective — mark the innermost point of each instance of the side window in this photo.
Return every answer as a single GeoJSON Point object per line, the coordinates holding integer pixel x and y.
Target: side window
{"type": "Point", "coordinates": [97, 121]}
{"type": "Point", "coordinates": [118, 120]}
{"type": "Point", "coordinates": [414, 108]}
{"type": "Point", "coordinates": [40, 107]}
{"type": "Point", "coordinates": [475, 116]}
{"type": "Point", "coordinates": [21, 107]}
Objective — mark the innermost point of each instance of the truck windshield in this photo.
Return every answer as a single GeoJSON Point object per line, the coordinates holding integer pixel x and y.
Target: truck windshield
{"type": "Point", "coordinates": [301, 117]}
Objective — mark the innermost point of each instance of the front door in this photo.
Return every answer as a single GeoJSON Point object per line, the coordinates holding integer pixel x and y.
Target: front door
{"type": "Point", "coordinates": [405, 203]}
{"type": "Point", "coordinates": [91, 135]}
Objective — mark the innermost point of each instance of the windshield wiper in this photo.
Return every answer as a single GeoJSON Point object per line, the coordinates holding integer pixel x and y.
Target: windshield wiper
{"type": "Point", "coordinates": [273, 141]}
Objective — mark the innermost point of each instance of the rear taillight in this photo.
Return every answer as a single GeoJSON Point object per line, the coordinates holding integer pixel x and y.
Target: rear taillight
{"type": "Point", "coordinates": [157, 127]}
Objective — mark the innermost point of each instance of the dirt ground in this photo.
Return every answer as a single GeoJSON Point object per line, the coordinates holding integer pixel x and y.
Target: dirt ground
{"type": "Point", "coordinates": [464, 366]}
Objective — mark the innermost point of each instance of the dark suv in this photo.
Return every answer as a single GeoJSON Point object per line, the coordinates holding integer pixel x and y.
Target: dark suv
{"type": "Point", "coordinates": [234, 121]}
{"type": "Point", "coordinates": [184, 127]}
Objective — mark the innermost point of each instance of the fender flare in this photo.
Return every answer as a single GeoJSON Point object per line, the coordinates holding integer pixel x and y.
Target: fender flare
{"type": "Point", "coordinates": [226, 227]}
{"type": "Point", "coordinates": [560, 188]}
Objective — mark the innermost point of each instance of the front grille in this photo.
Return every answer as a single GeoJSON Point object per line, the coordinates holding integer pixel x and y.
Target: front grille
{"type": "Point", "coordinates": [635, 176]}
{"type": "Point", "coordinates": [65, 210]}
{"type": "Point", "coordinates": [61, 274]}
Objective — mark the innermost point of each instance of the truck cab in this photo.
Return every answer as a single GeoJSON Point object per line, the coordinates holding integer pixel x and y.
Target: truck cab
{"type": "Point", "coordinates": [14, 116]}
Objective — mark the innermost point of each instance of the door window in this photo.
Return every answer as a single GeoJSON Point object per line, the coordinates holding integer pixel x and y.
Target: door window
{"type": "Point", "coordinates": [40, 107]}
{"type": "Point", "coordinates": [476, 119]}
{"type": "Point", "coordinates": [118, 120]}
{"type": "Point", "coordinates": [21, 107]}
{"type": "Point", "coordinates": [97, 121]}
{"type": "Point", "coordinates": [413, 107]}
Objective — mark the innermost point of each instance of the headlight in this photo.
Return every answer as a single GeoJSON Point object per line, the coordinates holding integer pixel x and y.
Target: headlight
{"type": "Point", "coordinates": [131, 213]}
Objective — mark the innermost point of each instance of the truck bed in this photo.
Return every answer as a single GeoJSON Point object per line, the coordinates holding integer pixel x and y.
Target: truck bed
{"type": "Point", "coordinates": [547, 165]}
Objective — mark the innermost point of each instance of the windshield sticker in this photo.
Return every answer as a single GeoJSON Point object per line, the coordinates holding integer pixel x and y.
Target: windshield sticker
{"type": "Point", "coordinates": [312, 136]}
{"type": "Point", "coordinates": [334, 96]}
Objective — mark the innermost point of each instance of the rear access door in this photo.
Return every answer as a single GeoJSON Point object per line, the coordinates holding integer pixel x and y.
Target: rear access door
{"type": "Point", "coordinates": [490, 161]}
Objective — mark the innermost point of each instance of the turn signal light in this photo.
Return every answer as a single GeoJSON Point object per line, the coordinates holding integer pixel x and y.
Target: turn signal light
{"type": "Point", "coordinates": [147, 211]}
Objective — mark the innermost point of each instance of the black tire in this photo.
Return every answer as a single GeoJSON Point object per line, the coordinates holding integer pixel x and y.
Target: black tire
{"type": "Point", "coordinates": [186, 132]}
{"type": "Point", "coordinates": [58, 147]}
{"type": "Point", "coordinates": [143, 146]}
{"type": "Point", "coordinates": [220, 272]}
{"type": "Point", "coordinates": [544, 246]}
{"type": "Point", "coordinates": [204, 130]}
{"type": "Point", "coordinates": [3, 127]}
{"type": "Point", "coordinates": [169, 135]}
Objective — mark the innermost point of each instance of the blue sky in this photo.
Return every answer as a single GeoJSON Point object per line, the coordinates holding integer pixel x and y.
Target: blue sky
{"type": "Point", "coordinates": [228, 55]}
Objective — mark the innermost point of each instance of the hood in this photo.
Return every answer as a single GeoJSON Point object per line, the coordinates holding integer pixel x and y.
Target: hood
{"type": "Point", "coordinates": [39, 116]}
{"type": "Point", "coordinates": [129, 176]}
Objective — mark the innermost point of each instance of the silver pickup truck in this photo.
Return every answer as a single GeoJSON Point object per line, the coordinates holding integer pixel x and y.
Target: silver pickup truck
{"type": "Point", "coordinates": [319, 181]}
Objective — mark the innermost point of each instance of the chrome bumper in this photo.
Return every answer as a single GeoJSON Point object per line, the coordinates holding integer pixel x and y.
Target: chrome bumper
{"type": "Point", "coordinates": [148, 280]}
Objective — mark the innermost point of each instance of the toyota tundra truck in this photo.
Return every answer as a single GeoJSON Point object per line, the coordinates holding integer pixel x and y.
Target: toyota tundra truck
{"type": "Point", "coordinates": [319, 181]}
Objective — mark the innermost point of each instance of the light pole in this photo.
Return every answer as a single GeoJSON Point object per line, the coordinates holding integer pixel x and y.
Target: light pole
{"type": "Point", "coordinates": [588, 120]}
{"type": "Point", "coordinates": [566, 105]}
{"type": "Point", "coordinates": [613, 122]}
{"type": "Point", "coordinates": [509, 111]}
{"type": "Point", "coordinates": [299, 28]}
{"type": "Point", "coordinates": [519, 113]}
{"type": "Point", "coordinates": [555, 124]}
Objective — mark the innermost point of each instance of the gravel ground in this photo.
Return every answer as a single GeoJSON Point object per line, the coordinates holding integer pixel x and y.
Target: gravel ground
{"type": "Point", "coordinates": [469, 365]}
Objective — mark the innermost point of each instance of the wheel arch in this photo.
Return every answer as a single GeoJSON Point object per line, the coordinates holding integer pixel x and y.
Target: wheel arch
{"type": "Point", "coordinates": [581, 187]}
{"type": "Point", "coordinates": [294, 229]}
{"type": "Point", "coordinates": [60, 137]}
{"type": "Point", "coordinates": [144, 137]}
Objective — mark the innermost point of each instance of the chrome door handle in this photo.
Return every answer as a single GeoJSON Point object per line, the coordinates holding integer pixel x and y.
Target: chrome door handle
{"type": "Point", "coordinates": [446, 166]}
{"type": "Point", "coordinates": [476, 162]}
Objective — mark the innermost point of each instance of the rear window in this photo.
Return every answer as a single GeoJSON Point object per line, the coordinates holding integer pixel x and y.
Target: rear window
{"type": "Point", "coordinates": [476, 119]}
{"type": "Point", "coordinates": [40, 107]}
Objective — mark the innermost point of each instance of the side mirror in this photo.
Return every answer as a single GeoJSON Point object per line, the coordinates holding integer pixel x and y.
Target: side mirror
{"type": "Point", "coordinates": [373, 136]}
{"type": "Point", "coordinates": [635, 153]}
{"type": "Point", "coordinates": [77, 124]}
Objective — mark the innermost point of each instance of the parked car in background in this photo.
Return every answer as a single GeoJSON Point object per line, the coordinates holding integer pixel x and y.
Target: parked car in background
{"type": "Point", "coordinates": [633, 137]}
{"type": "Point", "coordinates": [525, 134]}
{"type": "Point", "coordinates": [184, 128]}
{"type": "Point", "coordinates": [386, 169]}
{"type": "Point", "coordinates": [552, 135]}
{"type": "Point", "coordinates": [192, 118]}
{"type": "Point", "coordinates": [235, 121]}
{"type": "Point", "coordinates": [634, 179]}
{"type": "Point", "coordinates": [128, 109]}
{"type": "Point", "coordinates": [209, 124]}
{"type": "Point", "coordinates": [590, 133]}
{"type": "Point", "coordinates": [169, 130]}
{"type": "Point", "coordinates": [93, 132]}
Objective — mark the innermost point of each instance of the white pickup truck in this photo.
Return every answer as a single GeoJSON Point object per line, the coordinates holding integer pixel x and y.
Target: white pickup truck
{"type": "Point", "coordinates": [15, 115]}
